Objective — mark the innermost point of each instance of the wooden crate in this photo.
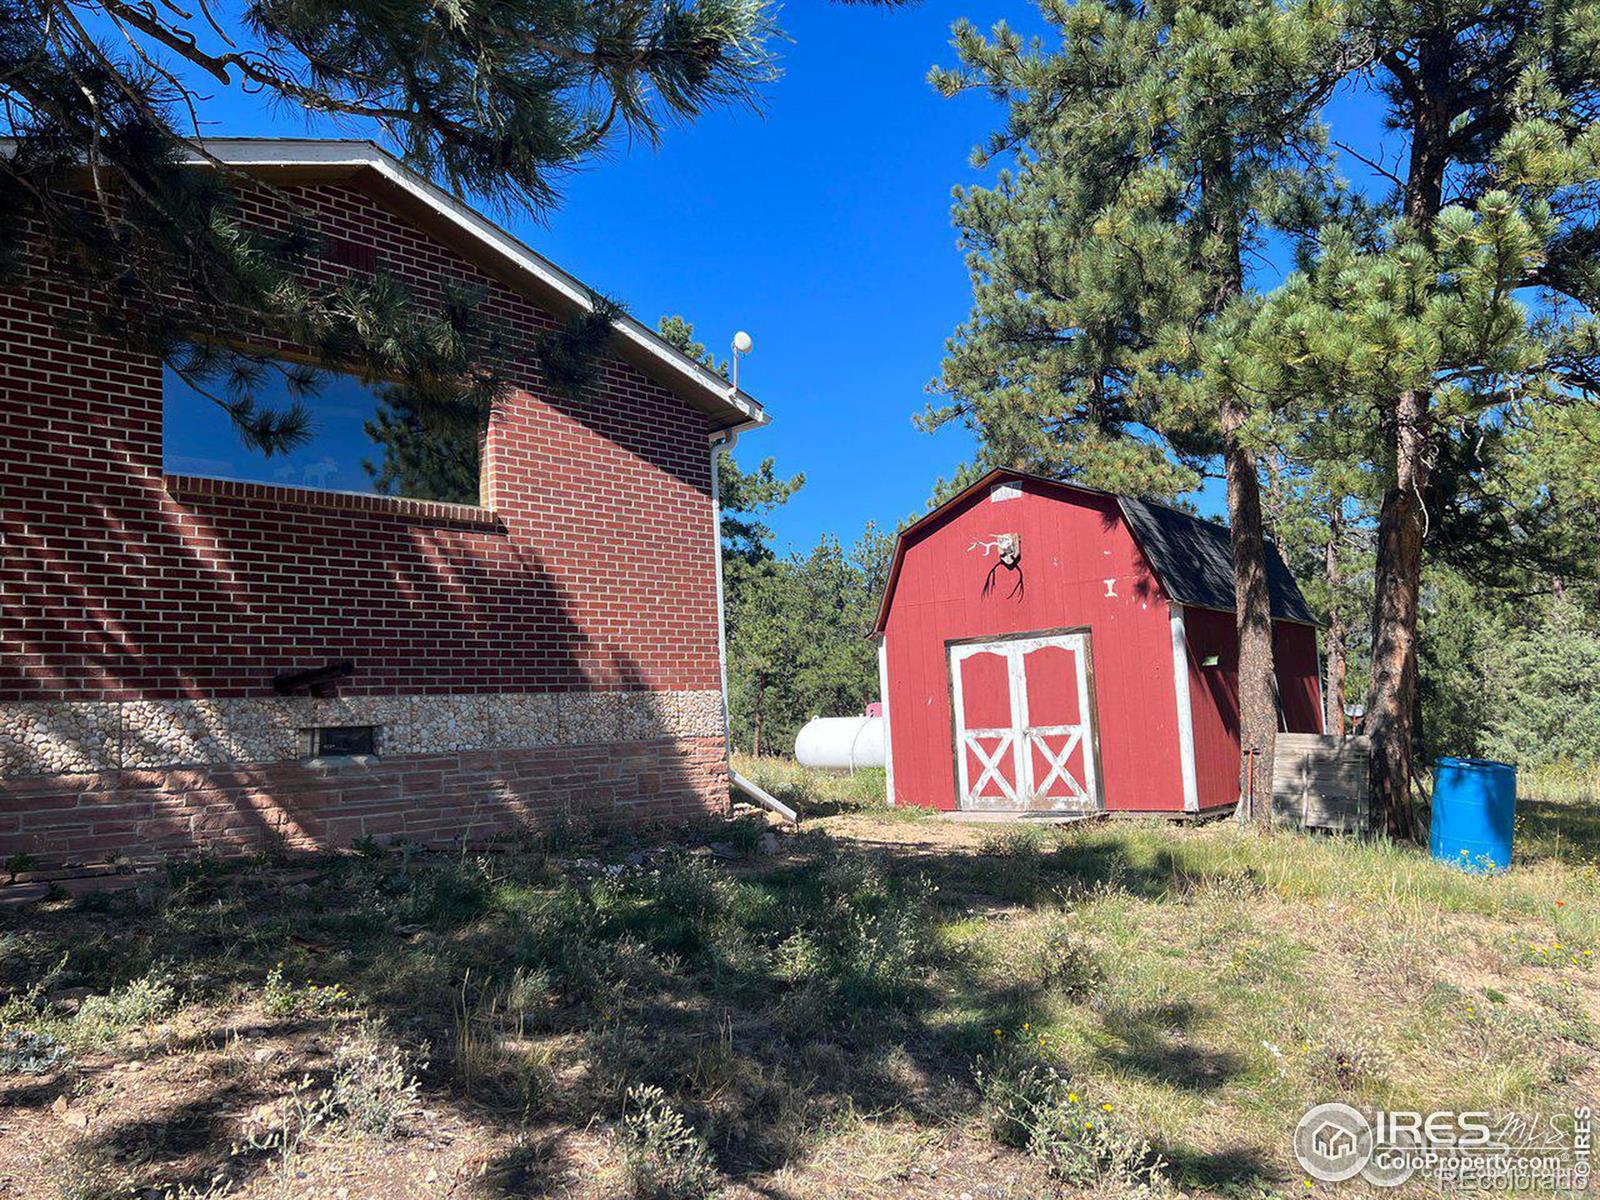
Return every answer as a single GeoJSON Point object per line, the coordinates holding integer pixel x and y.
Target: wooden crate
{"type": "Point", "coordinates": [1322, 782]}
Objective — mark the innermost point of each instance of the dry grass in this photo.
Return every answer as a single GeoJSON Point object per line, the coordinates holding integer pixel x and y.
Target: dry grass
{"type": "Point", "coordinates": [819, 1018]}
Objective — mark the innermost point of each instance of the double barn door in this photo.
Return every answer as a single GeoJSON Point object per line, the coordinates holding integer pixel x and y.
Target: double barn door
{"type": "Point", "coordinates": [1024, 729]}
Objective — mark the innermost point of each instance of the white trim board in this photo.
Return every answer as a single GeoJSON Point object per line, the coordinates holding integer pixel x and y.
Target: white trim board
{"type": "Point", "coordinates": [1180, 687]}
{"type": "Point", "coordinates": [888, 728]}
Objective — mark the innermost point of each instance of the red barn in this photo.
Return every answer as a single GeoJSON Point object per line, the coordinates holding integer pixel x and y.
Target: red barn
{"type": "Point", "coordinates": [1048, 647]}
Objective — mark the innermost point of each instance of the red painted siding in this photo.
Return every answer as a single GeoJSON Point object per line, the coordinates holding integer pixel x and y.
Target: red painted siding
{"type": "Point", "coordinates": [1214, 703]}
{"type": "Point", "coordinates": [1079, 568]}
{"type": "Point", "coordinates": [1294, 650]}
{"type": "Point", "coordinates": [1214, 695]}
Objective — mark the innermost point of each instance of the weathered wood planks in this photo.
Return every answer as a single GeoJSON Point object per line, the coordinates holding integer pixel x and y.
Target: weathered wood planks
{"type": "Point", "coordinates": [1321, 782]}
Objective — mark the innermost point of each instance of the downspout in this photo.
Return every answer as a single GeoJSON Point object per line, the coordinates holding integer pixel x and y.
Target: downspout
{"type": "Point", "coordinates": [726, 439]}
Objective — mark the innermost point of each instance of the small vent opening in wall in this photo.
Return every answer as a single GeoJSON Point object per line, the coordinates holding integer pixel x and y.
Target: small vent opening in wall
{"type": "Point", "coordinates": [342, 741]}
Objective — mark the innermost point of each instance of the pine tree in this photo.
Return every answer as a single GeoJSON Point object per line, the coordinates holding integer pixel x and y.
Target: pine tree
{"type": "Point", "coordinates": [800, 644]}
{"type": "Point", "coordinates": [1154, 149]}
{"type": "Point", "coordinates": [1411, 323]}
{"type": "Point", "coordinates": [1321, 504]}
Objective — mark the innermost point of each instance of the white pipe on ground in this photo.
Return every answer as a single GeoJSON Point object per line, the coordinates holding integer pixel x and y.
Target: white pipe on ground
{"type": "Point", "coordinates": [763, 797]}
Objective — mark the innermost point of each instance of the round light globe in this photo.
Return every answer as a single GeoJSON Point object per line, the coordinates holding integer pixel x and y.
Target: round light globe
{"type": "Point", "coordinates": [742, 343]}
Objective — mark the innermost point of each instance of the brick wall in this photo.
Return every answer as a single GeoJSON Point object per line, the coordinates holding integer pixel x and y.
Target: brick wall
{"type": "Point", "coordinates": [133, 817]}
{"type": "Point", "coordinates": [590, 568]}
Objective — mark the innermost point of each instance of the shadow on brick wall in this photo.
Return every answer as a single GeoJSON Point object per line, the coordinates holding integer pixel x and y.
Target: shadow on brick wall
{"type": "Point", "coordinates": [142, 649]}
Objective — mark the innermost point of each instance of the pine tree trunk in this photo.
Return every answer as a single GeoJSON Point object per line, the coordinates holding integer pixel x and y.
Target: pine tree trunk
{"type": "Point", "coordinates": [1391, 702]}
{"type": "Point", "coordinates": [1258, 698]}
{"type": "Point", "coordinates": [1333, 702]}
{"type": "Point", "coordinates": [1258, 693]}
{"type": "Point", "coordinates": [755, 747]}
{"type": "Point", "coordinates": [1391, 706]}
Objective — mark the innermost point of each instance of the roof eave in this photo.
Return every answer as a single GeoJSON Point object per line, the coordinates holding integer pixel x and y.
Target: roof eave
{"type": "Point", "coordinates": [724, 405]}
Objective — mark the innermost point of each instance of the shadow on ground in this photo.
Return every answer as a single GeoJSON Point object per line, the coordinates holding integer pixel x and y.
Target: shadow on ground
{"type": "Point", "coordinates": [768, 996]}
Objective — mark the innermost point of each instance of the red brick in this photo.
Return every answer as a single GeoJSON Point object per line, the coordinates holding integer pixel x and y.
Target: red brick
{"type": "Point", "coordinates": [590, 566]}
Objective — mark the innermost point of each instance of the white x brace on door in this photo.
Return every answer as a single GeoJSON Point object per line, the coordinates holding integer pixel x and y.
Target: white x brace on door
{"type": "Point", "coordinates": [1024, 733]}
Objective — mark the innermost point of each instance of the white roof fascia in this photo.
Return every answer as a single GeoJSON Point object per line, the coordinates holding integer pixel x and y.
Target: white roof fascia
{"type": "Point", "coordinates": [288, 152]}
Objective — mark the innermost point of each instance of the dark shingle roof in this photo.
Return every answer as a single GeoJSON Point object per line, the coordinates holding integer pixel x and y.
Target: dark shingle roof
{"type": "Point", "coordinates": [1194, 560]}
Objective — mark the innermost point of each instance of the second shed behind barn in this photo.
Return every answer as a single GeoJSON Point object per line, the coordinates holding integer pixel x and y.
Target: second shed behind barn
{"type": "Point", "coordinates": [1051, 648]}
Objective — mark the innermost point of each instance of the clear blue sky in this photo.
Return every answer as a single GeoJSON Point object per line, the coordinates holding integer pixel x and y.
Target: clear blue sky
{"type": "Point", "coordinates": [821, 226]}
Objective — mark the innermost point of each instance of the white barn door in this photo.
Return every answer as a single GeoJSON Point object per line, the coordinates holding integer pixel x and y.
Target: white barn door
{"type": "Point", "coordinates": [1024, 732]}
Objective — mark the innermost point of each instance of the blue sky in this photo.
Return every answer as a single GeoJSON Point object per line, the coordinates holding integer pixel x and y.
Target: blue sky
{"type": "Point", "coordinates": [821, 226]}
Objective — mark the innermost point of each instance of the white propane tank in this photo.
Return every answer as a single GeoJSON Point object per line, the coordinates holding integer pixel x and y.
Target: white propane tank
{"type": "Point", "coordinates": [843, 743]}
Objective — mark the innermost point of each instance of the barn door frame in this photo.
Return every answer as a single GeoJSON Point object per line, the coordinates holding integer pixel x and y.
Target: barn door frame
{"type": "Point", "coordinates": [1018, 739]}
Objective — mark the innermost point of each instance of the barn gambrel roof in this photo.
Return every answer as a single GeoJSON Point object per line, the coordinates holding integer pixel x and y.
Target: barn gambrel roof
{"type": "Point", "coordinates": [1192, 557]}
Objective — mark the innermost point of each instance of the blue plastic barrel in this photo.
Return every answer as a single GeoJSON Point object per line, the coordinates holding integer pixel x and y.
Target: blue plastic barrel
{"type": "Point", "coordinates": [1474, 804]}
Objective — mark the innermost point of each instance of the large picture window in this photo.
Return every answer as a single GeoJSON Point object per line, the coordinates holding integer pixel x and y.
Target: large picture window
{"type": "Point", "coordinates": [359, 440]}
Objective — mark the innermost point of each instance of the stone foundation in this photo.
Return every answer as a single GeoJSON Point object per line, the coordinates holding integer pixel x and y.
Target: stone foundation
{"type": "Point", "coordinates": [89, 736]}
{"type": "Point", "coordinates": [104, 782]}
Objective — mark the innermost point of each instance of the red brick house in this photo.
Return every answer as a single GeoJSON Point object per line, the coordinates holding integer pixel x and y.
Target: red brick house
{"type": "Point", "coordinates": [555, 647]}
